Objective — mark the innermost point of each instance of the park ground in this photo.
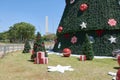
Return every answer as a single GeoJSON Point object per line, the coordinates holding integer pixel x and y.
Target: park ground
{"type": "Point", "coordinates": [18, 66]}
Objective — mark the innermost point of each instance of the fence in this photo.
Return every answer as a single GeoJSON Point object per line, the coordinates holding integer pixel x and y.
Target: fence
{"type": "Point", "coordinates": [4, 49]}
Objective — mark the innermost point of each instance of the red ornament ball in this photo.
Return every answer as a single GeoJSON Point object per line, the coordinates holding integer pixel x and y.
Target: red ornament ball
{"type": "Point", "coordinates": [60, 28]}
{"type": "Point", "coordinates": [118, 75]}
{"type": "Point", "coordinates": [83, 7]}
{"type": "Point", "coordinates": [66, 52]}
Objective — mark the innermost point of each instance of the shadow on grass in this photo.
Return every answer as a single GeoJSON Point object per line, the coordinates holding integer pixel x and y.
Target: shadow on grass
{"type": "Point", "coordinates": [31, 60]}
{"type": "Point", "coordinates": [116, 68]}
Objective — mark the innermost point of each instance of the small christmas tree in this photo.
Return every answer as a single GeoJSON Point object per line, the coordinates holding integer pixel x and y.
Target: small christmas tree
{"type": "Point", "coordinates": [87, 48]}
{"type": "Point", "coordinates": [38, 46]}
{"type": "Point", "coordinates": [26, 47]}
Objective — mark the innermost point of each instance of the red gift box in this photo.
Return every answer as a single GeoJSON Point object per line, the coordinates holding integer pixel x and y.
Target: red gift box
{"type": "Point", "coordinates": [41, 54]}
{"type": "Point", "coordinates": [82, 57]}
{"type": "Point", "coordinates": [40, 58]}
{"type": "Point", "coordinates": [44, 60]}
{"type": "Point", "coordinates": [118, 75]}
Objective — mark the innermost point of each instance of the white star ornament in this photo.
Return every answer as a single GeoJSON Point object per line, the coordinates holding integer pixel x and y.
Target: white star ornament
{"type": "Point", "coordinates": [112, 39]}
{"type": "Point", "coordinates": [83, 25]}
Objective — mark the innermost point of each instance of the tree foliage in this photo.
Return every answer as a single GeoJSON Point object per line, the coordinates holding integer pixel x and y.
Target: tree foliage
{"type": "Point", "coordinates": [27, 47]}
{"type": "Point", "coordinates": [87, 48]}
{"type": "Point", "coordinates": [4, 36]}
{"type": "Point", "coordinates": [20, 32]}
{"type": "Point", "coordinates": [49, 37]}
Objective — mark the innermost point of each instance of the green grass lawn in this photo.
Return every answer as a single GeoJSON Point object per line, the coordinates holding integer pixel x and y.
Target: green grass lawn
{"type": "Point", "coordinates": [17, 66]}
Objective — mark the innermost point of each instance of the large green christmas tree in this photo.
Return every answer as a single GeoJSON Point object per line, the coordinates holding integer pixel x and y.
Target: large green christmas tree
{"type": "Point", "coordinates": [100, 19]}
{"type": "Point", "coordinates": [39, 46]}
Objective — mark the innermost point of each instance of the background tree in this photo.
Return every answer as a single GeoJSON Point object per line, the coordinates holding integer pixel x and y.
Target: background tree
{"type": "Point", "coordinates": [27, 47]}
{"type": "Point", "coordinates": [49, 37]}
{"type": "Point", "coordinates": [13, 34]}
{"type": "Point", "coordinates": [20, 32]}
{"type": "Point", "coordinates": [4, 36]}
{"type": "Point", "coordinates": [87, 48]}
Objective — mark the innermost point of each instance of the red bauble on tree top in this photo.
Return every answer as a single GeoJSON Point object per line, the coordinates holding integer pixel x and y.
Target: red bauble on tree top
{"type": "Point", "coordinates": [66, 52]}
{"type": "Point", "coordinates": [60, 28]}
{"type": "Point", "coordinates": [83, 7]}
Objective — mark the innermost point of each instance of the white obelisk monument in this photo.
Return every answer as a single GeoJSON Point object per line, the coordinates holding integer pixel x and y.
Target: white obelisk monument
{"type": "Point", "coordinates": [46, 25]}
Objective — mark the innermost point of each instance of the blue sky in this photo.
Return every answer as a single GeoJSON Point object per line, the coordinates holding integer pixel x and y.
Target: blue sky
{"type": "Point", "coordinates": [31, 11]}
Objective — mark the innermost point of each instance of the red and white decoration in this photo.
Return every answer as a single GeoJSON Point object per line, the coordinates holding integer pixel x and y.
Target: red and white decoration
{"type": "Point", "coordinates": [83, 7]}
{"type": "Point", "coordinates": [82, 57]}
{"type": "Point", "coordinates": [83, 25]}
{"type": "Point", "coordinates": [66, 52]}
{"type": "Point", "coordinates": [118, 59]}
{"type": "Point", "coordinates": [112, 22]}
{"type": "Point", "coordinates": [74, 39]}
{"type": "Point", "coordinates": [112, 39]}
{"type": "Point", "coordinates": [60, 28]}
{"type": "Point", "coordinates": [40, 58]}
{"type": "Point", "coordinates": [72, 1]}
{"type": "Point", "coordinates": [118, 75]}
